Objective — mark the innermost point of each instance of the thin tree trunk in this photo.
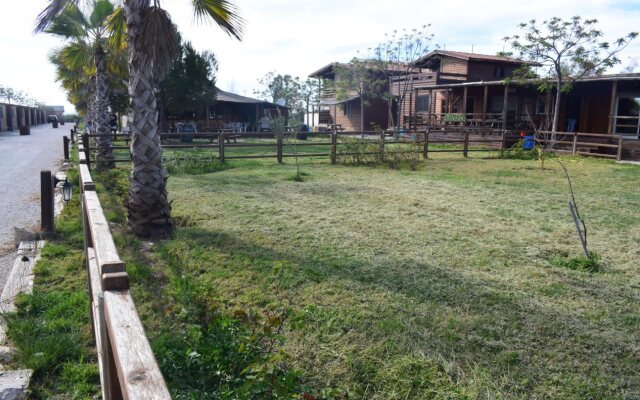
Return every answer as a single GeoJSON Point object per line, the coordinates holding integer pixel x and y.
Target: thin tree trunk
{"type": "Point", "coordinates": [148, 206]}
{"type": "Point", "coordinates": [104, 159]}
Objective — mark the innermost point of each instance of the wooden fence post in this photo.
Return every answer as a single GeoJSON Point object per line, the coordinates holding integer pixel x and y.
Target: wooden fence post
{"type": "Point", "coordinates": [221, 147]}
{"type": "Point", "coordinates": [619, 148]}
{"type": "Point", "coordinates": [46, 201]}
{"type": "Point", "coordinates": [334, 144]}
{"type": "Point", "coordinates": [465, 150]}
{"type": "Point", "coordinates": [65, 147]}
{"type": "Point", "coordinates": [279, 140]}
{"type": "Point", "coordinates": [504, 139]}
{"type": "Point", "coordinates": [425, 149]}
{"type": "Point", "coordinates": [87, 153]}
{"type": "Point", "coordinates": [381, 146]}
{"type": "Point", "coordinates": [73, 133]}
{"type": "Point", "coordinates": [574, 148]}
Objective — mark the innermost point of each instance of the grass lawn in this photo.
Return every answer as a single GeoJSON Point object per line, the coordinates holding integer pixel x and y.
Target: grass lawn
{"type": "Point", "coordinates": [438, 283]}
{"type": "Point", "coordinates": [441, 283]}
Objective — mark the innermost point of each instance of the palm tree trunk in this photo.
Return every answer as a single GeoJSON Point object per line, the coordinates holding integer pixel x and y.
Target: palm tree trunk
{"type": "Point", "coordinates": [148, 206]}
{"type": "Point", "coordinates": [104, 159]}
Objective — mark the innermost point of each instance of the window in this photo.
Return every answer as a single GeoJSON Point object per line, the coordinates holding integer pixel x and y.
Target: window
{"type": "Point", "coordinates": [346, 109]}
{"type": "Point", "coordinates": [541, 103]}
{"type": "Point", "coordinates": [496, 103]}
{"type": "Point", "coordinates": [499, 72]}
{"type": "Point", "coordinates": [422, 103]}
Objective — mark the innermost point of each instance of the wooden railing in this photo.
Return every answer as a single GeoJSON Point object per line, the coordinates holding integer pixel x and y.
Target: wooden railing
{"type": "Point", "coordinates": [128, 368]}
{"type": "Point", "coordinates": [582, 143]}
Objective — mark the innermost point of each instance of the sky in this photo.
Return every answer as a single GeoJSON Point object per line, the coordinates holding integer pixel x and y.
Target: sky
{"type": "Point", "coordinates": [298, 37]}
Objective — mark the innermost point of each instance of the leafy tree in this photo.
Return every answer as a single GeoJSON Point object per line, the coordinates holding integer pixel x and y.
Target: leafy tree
{"type": "Point", "coordinates": [152, 44]}
{"type": "Point", "coordinates": [190, 84]}
{"type": "Point", "coordinates": [566, 51]}
{"type": "Point", "coordinates": [297, 94]}
{"type": "Point", "coordinates": [86, 56]}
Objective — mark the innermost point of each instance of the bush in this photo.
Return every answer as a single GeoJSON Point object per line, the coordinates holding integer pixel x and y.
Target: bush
{"type": "Point", "coordinates": [517, 152]}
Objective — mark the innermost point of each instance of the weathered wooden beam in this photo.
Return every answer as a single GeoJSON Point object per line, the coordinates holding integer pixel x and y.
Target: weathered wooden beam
{"type": "Point", "coordinates": [612, 108]}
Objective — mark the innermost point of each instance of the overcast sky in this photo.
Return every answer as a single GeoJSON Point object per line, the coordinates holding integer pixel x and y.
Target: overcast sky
{"type": "Point", "coordinates": [298, 37]}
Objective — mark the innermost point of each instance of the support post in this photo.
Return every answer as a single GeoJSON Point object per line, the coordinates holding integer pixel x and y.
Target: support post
{"type": "Point", "coordinates": [612, 110]}
{"type": "Point", "coordinates": [279, 141]}
{"type": "Point", "coordinates": [505, 105]}
{"type": "Point", "coordinates": [425, 149]}
{"type": "Point", "coordinates": [485, 100]}
{"type": "Point", "coordinates": [619, 148]}
{"type": "Point", "coordinates": [431, 103]}
{"type": "Point", "coordinates": [464, 103]}
{"type": "Point", "coordinates": [65, 147]}
{"type": "Point", "coordinates": [221, 147]}
{"type": "Point", "coordinates": [46, 201]}
{"type": "Point", "coordinates": [504, 140]}
{"type": "Point", "coordinates": [574, 148]}
{"type": "Point", "coordinates": [334, 144]}
{"type": "Point", "coordinates": [465, 151]}
{"type": "Point", "coordinates": [381, 147]}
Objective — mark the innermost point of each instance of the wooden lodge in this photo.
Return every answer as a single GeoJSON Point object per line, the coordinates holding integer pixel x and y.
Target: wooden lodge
{"type": "Point", "coordinates": [451, 90]}
{"type": "Point", "coordinates": [349, 113]}
{"type": "Point", "coordinates": [229, 111]}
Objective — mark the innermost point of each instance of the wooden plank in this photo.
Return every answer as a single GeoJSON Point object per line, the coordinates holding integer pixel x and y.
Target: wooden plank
{"type": "Point", "coordinates": [86, 181]}
{"type": "Point", "coordinates": [82, 158]}
{"type": "Point", "coordinates": [20, 278]}
{"type": "Point", "coordinates": [98, 323]}
{"type": "Point", "coordinates": [137, 369]}
{"type": "Point", "coordinates": [106, 252]}
{"type": "Point", "coordinates": [612, 146]}
{"type": "Point", "coordinates": [586, 153]}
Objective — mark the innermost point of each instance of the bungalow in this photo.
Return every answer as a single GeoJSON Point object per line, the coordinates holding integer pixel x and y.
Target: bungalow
{"type": "Point", "coordinates": [474, 88]}
{"type": "Point", "coordinates": [348, 113]}
{"type": "Point", "coordinates": [230, 111]}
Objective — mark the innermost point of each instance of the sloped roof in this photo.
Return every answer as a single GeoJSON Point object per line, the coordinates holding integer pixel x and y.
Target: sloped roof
{"type": "Point", "coordinates": [471, 56]}
{"type": "Point", "coordinates": [221, 95]}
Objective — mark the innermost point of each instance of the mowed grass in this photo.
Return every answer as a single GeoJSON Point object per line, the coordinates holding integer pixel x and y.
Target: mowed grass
{"type": "Point", "coordinates": [426, 284]}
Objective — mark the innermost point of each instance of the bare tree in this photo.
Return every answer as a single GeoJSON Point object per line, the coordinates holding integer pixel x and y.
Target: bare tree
{"type": "Point", "coordinates": [566, 51]}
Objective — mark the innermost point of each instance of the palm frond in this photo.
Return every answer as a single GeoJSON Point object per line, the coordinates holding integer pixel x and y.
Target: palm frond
{"type": "Point", "coordinates": [102, 9]}
{"type": "Point", "coordinates": [223, 13]}
{"type": "Point", "coordinates": [69, 23]}
{"type": "Point", "coordinates": [46, 16]}
{"type": "Point", "coordinates": [116, 25]}
{"type": "Point", "coordinates": [159, 40]}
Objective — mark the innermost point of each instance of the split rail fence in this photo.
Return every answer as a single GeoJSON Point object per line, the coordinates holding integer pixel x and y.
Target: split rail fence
{"type": "Point", "coordinates": [127, 365]}
{"type": "Point", "coordinates": [425, 142]}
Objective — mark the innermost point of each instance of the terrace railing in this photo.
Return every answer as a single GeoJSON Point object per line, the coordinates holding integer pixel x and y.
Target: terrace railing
{"type": "Point", "coordinates": [128, 368]}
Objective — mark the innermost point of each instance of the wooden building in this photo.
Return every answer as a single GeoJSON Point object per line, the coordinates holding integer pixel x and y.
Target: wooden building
{"type": "Point", "coordinates": [347, 113]}
{"type": "Point", "coordinates": [229, 111]}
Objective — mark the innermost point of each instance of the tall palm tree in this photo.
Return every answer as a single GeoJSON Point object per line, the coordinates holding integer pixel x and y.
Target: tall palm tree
{"type": "Point", "coordinates": [152, 43]}
{"type": "Point", "coordinates": [86, 37]}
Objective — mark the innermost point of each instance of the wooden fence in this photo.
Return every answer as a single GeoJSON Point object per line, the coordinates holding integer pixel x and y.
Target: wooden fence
{"type": "Point", "coordinates": [128, 368]}
{"type": "Point", "coordinates": [220, 143]}
{"type": "Point", "coordinates": [581, 143]}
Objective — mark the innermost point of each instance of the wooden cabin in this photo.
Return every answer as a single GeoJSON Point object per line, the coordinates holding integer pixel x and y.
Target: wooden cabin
{"type": "Point", "coordinates": [347, 113]}
{"type": "Point", "coordinates": [229, 111]}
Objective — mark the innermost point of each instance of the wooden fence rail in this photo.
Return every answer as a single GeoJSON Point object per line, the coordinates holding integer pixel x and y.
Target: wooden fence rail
{"type": "Point", "coordinates": [421, 139]}
{"type": "Point", "coordinates": [583, 143]}
{"type": "Point", "coordinates": [128, 368]}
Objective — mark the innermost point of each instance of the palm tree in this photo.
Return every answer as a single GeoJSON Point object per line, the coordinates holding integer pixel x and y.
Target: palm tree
{"type": "Point", "coordinates": [86, 37]}
{"type": "Point", "coordinates": [152, 43]}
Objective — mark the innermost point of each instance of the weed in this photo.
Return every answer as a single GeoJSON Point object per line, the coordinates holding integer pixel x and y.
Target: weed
{"type": "Point", "coordinates": [581, 263]}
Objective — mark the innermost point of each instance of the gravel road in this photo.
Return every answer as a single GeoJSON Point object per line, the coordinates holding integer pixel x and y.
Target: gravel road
{"type": "Point", "coordinates": [21, 159]}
